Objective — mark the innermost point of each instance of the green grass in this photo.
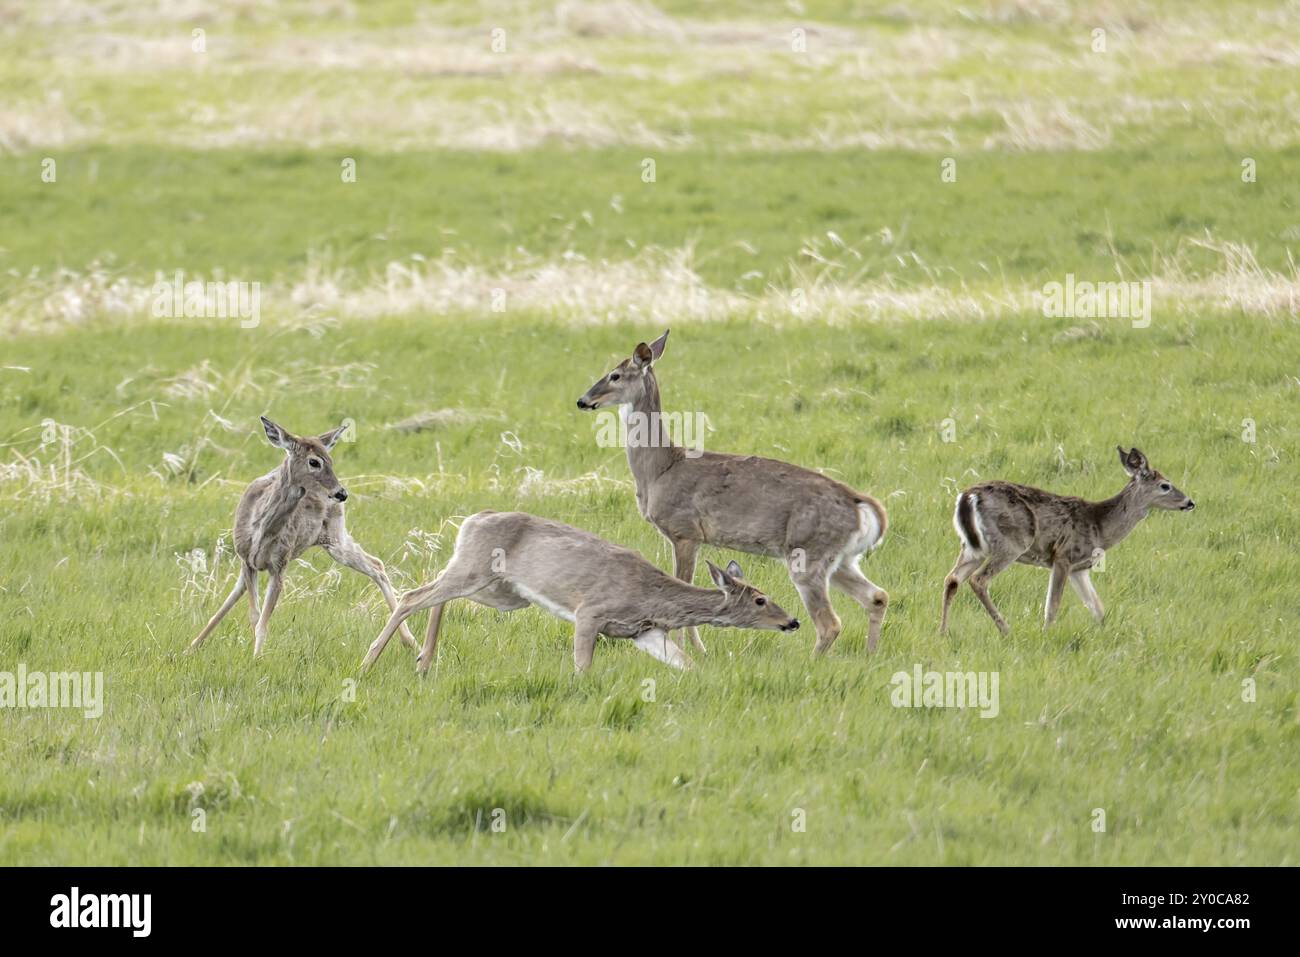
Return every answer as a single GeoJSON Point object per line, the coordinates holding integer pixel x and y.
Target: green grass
{"type": "Point", "coordinates": [1143, 717]}
{"type": "Point", "coordinates": [125, 440]}
{"type": "Point", "coordinates": [1013, 217]}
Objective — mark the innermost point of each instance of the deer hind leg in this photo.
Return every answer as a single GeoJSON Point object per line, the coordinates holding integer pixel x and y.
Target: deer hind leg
{"type": "Point", "coordinates": [254, 609]}
{"type": "Point", "coordinates": [684, 568]}
{"type": "Point", "coordinates": [967, 562]}
{"type": "Point", "coordinates": [454, 582]}
{"type": "Point", "coordinates": [430, 649]}
{"type": "Point", "coordinates": [351, 555]}
{"type": "Point", "coordinates": [658, 645]}
{"type": "Point", "coordinates": [874, 599]}
{"type": "Point", "coordinates": [1081, 581]}
{"type": "Point", "coordinates": [979, 583]}
{"type": "Point", "coordinates": [813, 584]}
{"type": "Point", "coordinates": [215, 620]}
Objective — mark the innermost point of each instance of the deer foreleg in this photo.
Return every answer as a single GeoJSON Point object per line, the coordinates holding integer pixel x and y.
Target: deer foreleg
{"type": "Point", "coordinates": [215, 620]}
{"type": "Point", "coordinates": [351, 555]}
{"type": "Point", "coordinates": [684, 568]}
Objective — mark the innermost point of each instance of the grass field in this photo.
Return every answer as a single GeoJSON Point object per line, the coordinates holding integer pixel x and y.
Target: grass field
{"type": "Point", "coordinates": [834, 302]}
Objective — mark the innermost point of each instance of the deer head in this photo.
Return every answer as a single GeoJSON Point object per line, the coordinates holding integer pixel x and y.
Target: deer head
{"type": "Point", "coordinates": [626, 382]}
{"type": "Point", "coordinates": [307, 459]}
{"type": "Point", "coordinates": [746, 606]}
{"type": "Point", "coordinates": [1152, 489]}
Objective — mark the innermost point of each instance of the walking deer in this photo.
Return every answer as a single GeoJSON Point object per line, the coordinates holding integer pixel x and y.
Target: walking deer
{"type": "Point", "coordinates": [818, 526]}
{"type": "Point", "coordinates": [1000, 523]}
{"type": "Point", "coordinates": [510, 560]}
{"type": "Point", "coordinates": [286, 512]}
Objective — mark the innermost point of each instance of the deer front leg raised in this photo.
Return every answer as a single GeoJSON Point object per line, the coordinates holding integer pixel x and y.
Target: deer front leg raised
{"type": "Point", "coordinates": [344, 550]}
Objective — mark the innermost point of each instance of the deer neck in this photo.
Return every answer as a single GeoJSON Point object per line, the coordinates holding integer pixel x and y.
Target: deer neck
{"type": "Point", "coordinates": [650, 451]}
{"type": "Point", "coordinates": [689, 606]}
{"type": "Point", "coordinates": [1120, 515]}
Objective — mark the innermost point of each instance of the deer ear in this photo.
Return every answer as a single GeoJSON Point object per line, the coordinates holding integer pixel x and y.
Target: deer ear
{"type": "Point", "coordinates": [657, 347]}
{"type": "Point", "coordinates": [733, 569]}
{"type": "Point", "coordinates": [720, 578]}
{"type": "Point", "coordinates": [276, 435]}
{"type": "Point", "coordinates": [642, 356]}
{"type": "Point", "coordinates": [1139, 461]}
{"type": "Point", "coordinates": [1134, 462]}
{"type": "Point", "coordinates": [331, 438]}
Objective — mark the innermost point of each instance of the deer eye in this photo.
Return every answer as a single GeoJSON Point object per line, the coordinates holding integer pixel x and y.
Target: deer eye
{"type": "Point", "coordinates": [1165, 486]}
{"type": "Point", "coordinates": [613, 377]}
{"type": "Point", "coordinates": [760, 601]}
{"type": "Point", "coordinates": [314, 463]}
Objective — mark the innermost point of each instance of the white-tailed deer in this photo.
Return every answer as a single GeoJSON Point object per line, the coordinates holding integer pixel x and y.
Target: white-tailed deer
{"type": "Point", "coordinates": [510, 560]}
{"type": "Point", "coordinates": [818, 526]}
{"type": "Point", "coordinates": [286, 512]}
{"type": "Point", "coordinates": [1000, 523]}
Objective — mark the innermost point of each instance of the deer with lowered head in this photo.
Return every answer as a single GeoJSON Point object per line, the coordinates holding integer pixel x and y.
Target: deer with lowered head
{"type": "Point", "coordinates": [284, 513]}
{"type": "Point", "coordinates": [818, 526]}
{"type": "Point", "coordinates": [1001, 523]}
{"type": "Point", "coordinates": [510, 560]}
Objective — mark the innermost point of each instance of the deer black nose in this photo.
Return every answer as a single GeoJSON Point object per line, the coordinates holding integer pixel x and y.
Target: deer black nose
{"type": "Point", "coordinates": [341, 495]}
{"type": "Point", "coordinates": [1189, 506]}
{"type": "Point", "coordinates": [791, 625]}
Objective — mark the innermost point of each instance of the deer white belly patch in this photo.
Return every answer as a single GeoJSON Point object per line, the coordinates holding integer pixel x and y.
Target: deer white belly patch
{"type": "Point", "coordinates": [541, 601]}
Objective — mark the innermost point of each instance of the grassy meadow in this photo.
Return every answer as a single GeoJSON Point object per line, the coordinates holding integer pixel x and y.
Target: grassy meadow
{"type": "Point", "coordinates": [834, 301]}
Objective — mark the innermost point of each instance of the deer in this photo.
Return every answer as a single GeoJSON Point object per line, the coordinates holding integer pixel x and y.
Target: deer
{"type": "Point", "coordinates": [295, 507]}
{"type": "Point", "coordinates": [511, 560]}
{"type": "Point", "coordinates": [820, 527]}
{"type": "Point", "coordinates": [1001, 523]}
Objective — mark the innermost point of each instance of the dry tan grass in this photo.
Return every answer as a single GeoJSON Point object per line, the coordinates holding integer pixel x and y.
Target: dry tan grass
{"type": "Point", "coordinates": [831, 282]}
{"type": "Point", "coordinates": [1050, 126]}
{"type": "Point", "coordinates": [45, 124]}
{"type": "Point", "coordinates": [309, 84]}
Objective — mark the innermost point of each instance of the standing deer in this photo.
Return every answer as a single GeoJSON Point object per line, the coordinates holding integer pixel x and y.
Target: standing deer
{"type": "Point", "coordinates": [286, 512]}
{"type": "Point", "coordinates": [510, 560]}
{"type": "Point", "coordinates": [1000, 523]}
{"type": "Point", "coordinates": [819, 526]}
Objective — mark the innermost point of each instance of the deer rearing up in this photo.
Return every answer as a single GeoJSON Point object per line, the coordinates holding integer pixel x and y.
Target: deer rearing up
{"type": "Point", "coordinates": [1000, 523]}
{"type": "Point", "coordinates": [286, 512]}
{"type": "Point", "coordinates": [510, 560]}
{"type": "Point", "coordinates": [818, 526]}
